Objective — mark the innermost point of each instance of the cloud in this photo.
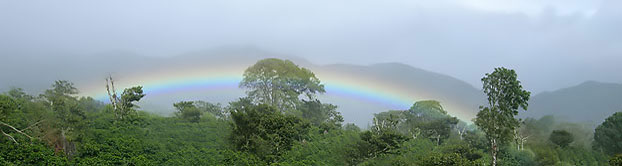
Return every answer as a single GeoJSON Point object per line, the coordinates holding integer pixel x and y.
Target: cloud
{"type": "Point", "coordinates": [552, 44]}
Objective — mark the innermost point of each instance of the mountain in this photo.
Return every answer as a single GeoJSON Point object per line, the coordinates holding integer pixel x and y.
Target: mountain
{"type": "Point", "coordinates": [589, 102]}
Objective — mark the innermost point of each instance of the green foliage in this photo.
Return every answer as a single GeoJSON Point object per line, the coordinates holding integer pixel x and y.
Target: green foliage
{"type": "Point", "coordinates": [90, 104]}
{"type": "Point", "coordinates": [351, 127]}
{"type": "Point", "coordinates": [476, 138]}
{"type": "Point", "coordinates": [428, 107]}
{"type": "Point", "coordinates": [440, 159]}
{"type": "Point", "coordinates": [64, 104]}
{"type": "Point", "coordinates": [71, 130]}
{"type": "Point", "coordinates": [156, 141]}
{"type": "Point", "coordinates": [131, 95]}
{"type": "Point", "coordinates": [279, 83]}
{"type": "Point", "coordinates": [561, 138]}
{"type": "Point", "coordinates": [608, 135]}
{"type": "Point", "coordinates": [505, 97]}
{"type": "Point", "coordinates": [425, 119]}
{"type": "Point", "coordinates": [64, 129]}
{"type": "Point", "coordinates": [323, 115]}
{"type": "Point", "coordinates": [240, 104]}
{"type": "Point", "coordinates": [581, 156]}
{"type": "Point", "coordinates": [25, 153]}
{"type": "Point", "coordinates": [127, 107]}
{"type": "Point", "coordinates": [193, 111]}
{"type": "Point", "coordinates": [382, 139]}
{"type": "Point", "coordinates": [463, 150]}
{"type": "Point", "coordinates": [431, 120]}
{"type": "Point", "coordinates": [188, 111]}
{"type": "Point", "coordinates": [265, 132]}
{"type": "Point", "coordinates": [215, 110]}
{"type": "Point", "coordinates": [511, 157]}
{"type": "Point", "coordinates": [616, 160]}
{"type": "Point", "coordinates": [322, 149]}
{"type": "Point", "coordinates": [116, 151]}
{"type": "Point", "coordinates": [7, 106]}
{"type": "Point", "coordinates": [545, 155]}
{"type": "Point", "coordinates": [426, 152]}
{"type": "Point", "coordinates": [547, 152]}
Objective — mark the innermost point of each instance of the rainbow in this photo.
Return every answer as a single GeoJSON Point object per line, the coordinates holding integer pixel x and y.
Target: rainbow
{"type": "Point", "coordinates": [227, 77]}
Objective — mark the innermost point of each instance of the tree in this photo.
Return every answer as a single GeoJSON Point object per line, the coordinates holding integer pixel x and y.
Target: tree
{"type": "Point", "coordinates": [521, 134]}
{"type": "Point", "coordinates": [213, 109]}
{"type": "Point", "coordinates": [7, 106]}
{"type": "Point", "coordinates": [561, 138]}
{"type": "Point", "coordinates": [69, 116]}
{"type": "Point", "coordinates": [323, 115]}
{"type": "Point", "coordinates": [265, 132]}
{"type": "Point", "coordinates": [279, 83]}
{"type": "Point", "coordinates": [240, 104]}
{"type": "Point", "coordinates": [616, 160]}
{"type": "Point", "coordinates": [188, 111]}
{"type": "Point", "coordinates": [429, 119]}
{"type": "Point", "coordinates": [608, 135]}
{"type": "Point", "coordinates": [89, 104]}
{"type": "Point", "coordinates": [382, 138]}
{"type": "Point", "coordinates": [123, 106]}
{"type": "Point", "coordinates": [129, 96]}
{"type": "Point", "coordinates": [505, 96]}
{"type": "Point", "coordinates": [430, 107]}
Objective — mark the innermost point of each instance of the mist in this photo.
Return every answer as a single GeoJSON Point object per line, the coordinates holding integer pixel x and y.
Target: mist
{"type": "Point", "coordinates": [554, 44]}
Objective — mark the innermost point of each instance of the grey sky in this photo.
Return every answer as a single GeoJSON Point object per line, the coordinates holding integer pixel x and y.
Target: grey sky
{"type": "Point", "coordinates": [552, 43]}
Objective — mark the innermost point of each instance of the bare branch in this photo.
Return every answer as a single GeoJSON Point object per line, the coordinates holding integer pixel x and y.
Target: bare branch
{"type": "Point", "coordinates": [31, 126]}
{"type": "Point", "coordinates": [19, 131]}
{"type": "Point", "coordinates": [10, 137]}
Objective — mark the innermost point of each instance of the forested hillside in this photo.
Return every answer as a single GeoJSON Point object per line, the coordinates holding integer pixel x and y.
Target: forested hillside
{"type": "Point", "coordinates": [281, 121]}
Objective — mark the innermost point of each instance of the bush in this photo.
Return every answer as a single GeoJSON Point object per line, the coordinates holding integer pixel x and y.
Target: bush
{"type": "Point", "coordinates": [616, 160]}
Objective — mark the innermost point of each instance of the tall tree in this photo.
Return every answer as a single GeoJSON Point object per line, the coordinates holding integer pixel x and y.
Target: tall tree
{"type": "Point", "coordinates": [608, 135]}
{"type": "Point", "coordinates": [505, 96]}
{"type": "Point", "coordinates": [69, 116]}
{"type": "Point", "coordinates": [279, 83]}
{"type": "Point", "coordinates": [123, 106]}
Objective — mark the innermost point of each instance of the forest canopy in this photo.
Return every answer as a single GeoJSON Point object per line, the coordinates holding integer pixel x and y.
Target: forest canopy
{"type": "Point", "coordinates": [282, 122]}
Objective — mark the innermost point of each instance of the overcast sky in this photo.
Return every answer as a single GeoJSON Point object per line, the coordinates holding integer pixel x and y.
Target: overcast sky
{"type": "Point", "coordinates": [552, 43]}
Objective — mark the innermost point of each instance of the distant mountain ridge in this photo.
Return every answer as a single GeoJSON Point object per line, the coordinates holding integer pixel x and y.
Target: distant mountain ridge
{"type": "Point", "coordinates": [589, 102]}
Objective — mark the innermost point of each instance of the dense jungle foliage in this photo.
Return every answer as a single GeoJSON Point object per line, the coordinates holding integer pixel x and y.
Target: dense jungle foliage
{"type": "Point", "coordinates": [281, 122]}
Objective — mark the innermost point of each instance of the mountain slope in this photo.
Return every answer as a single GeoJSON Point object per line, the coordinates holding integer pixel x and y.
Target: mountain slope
{"type": "Point", "coordinates": [589, 102]}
